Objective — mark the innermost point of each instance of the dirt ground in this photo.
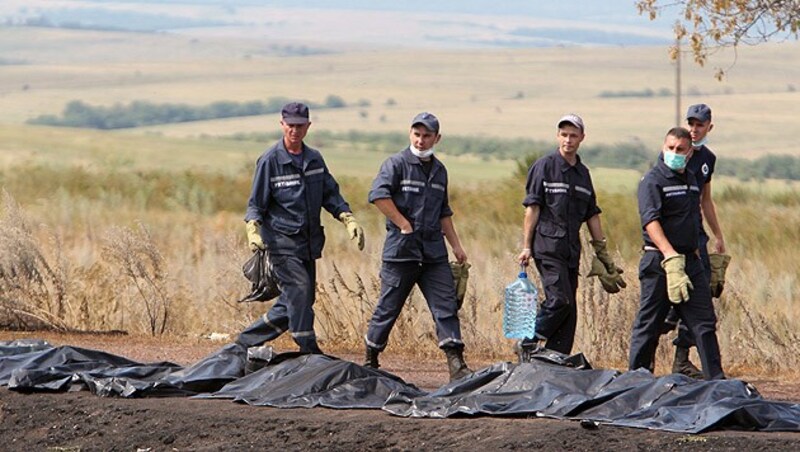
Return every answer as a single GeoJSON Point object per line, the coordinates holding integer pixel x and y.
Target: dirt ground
{"type": "Point", "coordinates": [81, 421]}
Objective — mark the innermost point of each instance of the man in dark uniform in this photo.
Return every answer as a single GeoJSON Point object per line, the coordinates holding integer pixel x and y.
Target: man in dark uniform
{"type": "Point", "coordinates": [670, 270]}
{"type": "Point", "coordinates": [290, 187]}
{"type": "Point", "coordinates": [701, 163]}
{"type": "Point", "coordinates": [411, 191]}
{"type": "Point", "coordinates": [560, 197]}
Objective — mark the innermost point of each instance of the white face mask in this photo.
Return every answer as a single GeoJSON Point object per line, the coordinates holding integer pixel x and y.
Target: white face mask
{"type": "Point", "coordinates": [698, 144]}
{"type": "Point", "coordinates": [421, 154]}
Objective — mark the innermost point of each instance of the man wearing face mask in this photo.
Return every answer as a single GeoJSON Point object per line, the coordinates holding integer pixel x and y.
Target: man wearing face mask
{"type": "Point", "coordinates": [701, 163]}
{"type": "Point", "coordinates": [411, 191]}
{"type": "Point", "coordinates": [671, 272]}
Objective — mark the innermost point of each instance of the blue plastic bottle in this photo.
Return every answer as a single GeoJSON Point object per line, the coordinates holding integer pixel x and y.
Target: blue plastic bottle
{"type": "Point", "coordinates": [519, 313]}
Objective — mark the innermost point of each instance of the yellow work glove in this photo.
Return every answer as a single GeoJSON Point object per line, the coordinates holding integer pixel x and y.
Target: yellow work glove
{"type": "Point", "coordinates": [253, 228]}
{"type": "Point", "coordinates": [460, 278]}
{"type": "Point", "coordinates": [678, 282]}
{"type": "Point", "coordinates": [613, 279]}
{"type": "Point", "coordinates": [353, 229]}
{"type": "Point", "coordinates": [719, 265]}
{"type": "Point", "coordinates": [611, 282]}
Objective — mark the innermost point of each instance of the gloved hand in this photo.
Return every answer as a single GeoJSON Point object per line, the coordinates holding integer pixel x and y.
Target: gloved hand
{"type": "Point", "coordinates": [678, 282]}
{"type": "Point", "coordinates": [719, 265]}
{"type": "Point", "coordinates": [611, 278]}
{"type": "Point", "coordinates": [354, 230]}
{"type": "Point", "coordinates": [253, 228]}
{"type": "Point", "coordinates": [602, 253]}
{"type": "Point", "coordinates": [611, 282]}
{"type": "Point", "coordinates": [460, 277]}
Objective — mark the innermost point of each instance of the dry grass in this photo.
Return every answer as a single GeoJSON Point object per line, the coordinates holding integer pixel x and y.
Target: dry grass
{"type": "Point", "coordinates": [473, 92]}
{"type": "Point", "coordinates": [117, 259]}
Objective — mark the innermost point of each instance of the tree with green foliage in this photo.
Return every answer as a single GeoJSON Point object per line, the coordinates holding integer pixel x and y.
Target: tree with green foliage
{"type": "Point", "coordinates": [713, 24]}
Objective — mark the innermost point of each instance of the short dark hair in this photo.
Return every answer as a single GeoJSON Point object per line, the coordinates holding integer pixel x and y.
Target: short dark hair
{"type": "Point", "coordinates": [679, 132]}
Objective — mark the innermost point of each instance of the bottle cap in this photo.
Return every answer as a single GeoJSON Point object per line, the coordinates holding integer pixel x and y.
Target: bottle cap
{"type": "Point", "coordinates": [522, 275]}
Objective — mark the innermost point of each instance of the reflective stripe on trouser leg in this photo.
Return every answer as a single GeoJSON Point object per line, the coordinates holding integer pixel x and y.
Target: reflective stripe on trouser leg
{"type": "Point", "coordinates": [653, 308]}
{"type": "Point", "coordinates": [297, 281]}
{"type": "Point", "coordinates": [436, 283]}
{"type": "Point", "coordinates": [698, 314]}
{"type": "Point", "coordinates": [397, 280]}
{"type": "Point", "coordinates": [557, 317]}
{"type": "Point", "coordinates": [268, 327]}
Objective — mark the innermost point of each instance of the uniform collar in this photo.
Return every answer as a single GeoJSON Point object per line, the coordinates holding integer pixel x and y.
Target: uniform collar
{"type": "Point", "coordinates": [564, 165]}
{"type": "Point", "coordinates": [285, 159]}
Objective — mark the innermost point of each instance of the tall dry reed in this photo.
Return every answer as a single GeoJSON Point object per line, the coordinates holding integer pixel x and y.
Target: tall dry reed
{"type": "Point", "coordinates": [157, 253]}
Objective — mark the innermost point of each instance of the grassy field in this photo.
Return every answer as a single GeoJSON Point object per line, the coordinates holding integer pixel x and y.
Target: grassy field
{"type": "Point", "coordinates": [124, 227]}
{"type": "Point", "coordinates": [490, 93]}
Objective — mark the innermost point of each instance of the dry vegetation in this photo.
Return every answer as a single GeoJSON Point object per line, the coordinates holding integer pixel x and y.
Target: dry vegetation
{"type": "Point", "coordinates": [147, 261]}
{"type": "Point", "coordinates": [106, 240]}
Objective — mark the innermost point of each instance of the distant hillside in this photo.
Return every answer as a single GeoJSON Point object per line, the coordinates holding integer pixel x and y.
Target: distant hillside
{"type": "Point", "coordinates": [447, 23]}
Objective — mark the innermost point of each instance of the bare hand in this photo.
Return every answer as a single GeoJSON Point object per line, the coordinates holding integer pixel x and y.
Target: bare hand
{"type": "Point", "coordinates": [524, 257]}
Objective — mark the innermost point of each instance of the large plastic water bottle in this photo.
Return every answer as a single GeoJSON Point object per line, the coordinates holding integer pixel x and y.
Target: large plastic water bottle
{"type": "Point", "coordinates": [519, 313]}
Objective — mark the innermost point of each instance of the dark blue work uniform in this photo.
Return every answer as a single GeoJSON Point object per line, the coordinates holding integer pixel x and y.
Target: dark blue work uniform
{"type": "Point", "coordinates": [287, 196]}
{"type": "Point", "coordinates": [673, 199]}
{"type": "Point", "coordinates": [702, 165]}
{"type": "Point", "coordinates": [566, 199]}
{"type": "Point", "coordinates": [420, 194]}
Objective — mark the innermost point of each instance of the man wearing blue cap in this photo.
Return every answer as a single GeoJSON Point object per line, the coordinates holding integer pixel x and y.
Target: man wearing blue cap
{"type": "Point", "coordinates": [411, 191]}
{"type": "Point", "coordinates": [701, 162]}
{"type": "Point", "coordinates": [291, 185]}
{"type": "Point", "coordinates": [559, 198]}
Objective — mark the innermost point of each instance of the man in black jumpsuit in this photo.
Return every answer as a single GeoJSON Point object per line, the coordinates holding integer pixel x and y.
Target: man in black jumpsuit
{"type": "Point", "coordinates": [411, 191]}
{"type": "Point", "coordinates": [671, 272]}
{"type": "Point", "coordinates": [702, 163]}
{"type": "Point", "coordinates": [559, 198]}
{"type": "Point", "coordinates": [290, 187]}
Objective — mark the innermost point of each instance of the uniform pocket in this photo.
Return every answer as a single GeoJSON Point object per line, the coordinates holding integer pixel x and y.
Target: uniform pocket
{"type": "Point", "coordinates": [408, 246]}
{"type": "Point", "coordinates": [389, 277]}
{"type": "Point", "coordinates": [550, 229]}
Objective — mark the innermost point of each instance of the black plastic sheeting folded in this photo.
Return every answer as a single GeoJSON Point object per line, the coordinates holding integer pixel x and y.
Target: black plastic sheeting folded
{"type": "Point", "coordinates": [555, 386]}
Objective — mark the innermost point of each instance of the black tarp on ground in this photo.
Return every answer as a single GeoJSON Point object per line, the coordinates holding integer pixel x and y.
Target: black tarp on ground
{"type": "Point", "coordinates": [306, 381]}
{"type": "Point", "coordinates": [634, 399]}
{"type": "Point", "coordinates": [556, 386]}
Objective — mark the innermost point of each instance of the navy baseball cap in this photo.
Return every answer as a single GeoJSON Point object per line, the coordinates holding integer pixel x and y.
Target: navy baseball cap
{"type": "Point", "coordinates": [428, 120]}
{"type": "Point", "coordinates": [295, 113]}
{"type": "Point", "coordinates": [573, 119]}
{"type": "Point", "coordinates": [701, 112]}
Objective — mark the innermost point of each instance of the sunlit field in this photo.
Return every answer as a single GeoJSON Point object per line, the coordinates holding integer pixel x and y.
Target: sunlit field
{"type": "Point", "coordinates": [141, 229]}
{"type": "Point", "coordinates": [160, 253]}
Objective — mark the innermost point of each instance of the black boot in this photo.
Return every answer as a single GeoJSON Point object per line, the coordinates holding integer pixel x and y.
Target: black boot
{"type": "Point", "coordinates": [526, 349]}
{"type": "Point", "coordinates": [682, 365]}
{"type": "Point", "coordinates": [371, 357]}
{"type": "Point", "coordinates": [455, 363]}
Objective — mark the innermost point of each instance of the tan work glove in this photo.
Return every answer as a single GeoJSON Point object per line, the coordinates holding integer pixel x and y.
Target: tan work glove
{"type": "Point", "coordinates": [611, 282]}
{"type": "Point", "coordinates": [678, 282]}
{"type": "Point", "coordinates": [460, 278]}
{"type": "Point", "coordinates": [254, 240]}
{"type": "Point", "coordinates": [354, 230]}
{"type": "Point", "coordinates": [719, 265]}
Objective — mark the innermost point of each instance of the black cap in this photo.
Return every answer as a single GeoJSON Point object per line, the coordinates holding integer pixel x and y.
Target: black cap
{"type": "Point", "coordinates": [295, 113]}
{"type": "Point", "coordinates": [428, 120]}
{"type": "Point", "coordinates": [701, 112]}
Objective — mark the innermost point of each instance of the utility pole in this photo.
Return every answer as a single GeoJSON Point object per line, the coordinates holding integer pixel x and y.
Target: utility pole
{"type": "Point", "coordinates": [678, 83]}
